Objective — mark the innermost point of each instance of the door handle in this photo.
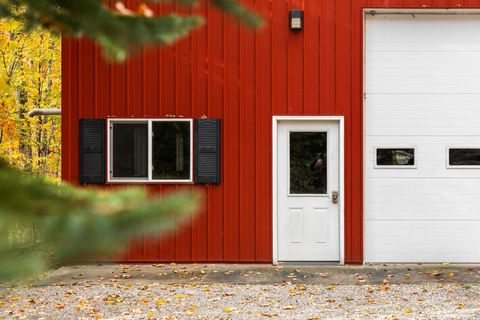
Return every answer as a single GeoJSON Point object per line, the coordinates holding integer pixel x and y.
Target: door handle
{"type": "Point", "coordinates": [335, 197]}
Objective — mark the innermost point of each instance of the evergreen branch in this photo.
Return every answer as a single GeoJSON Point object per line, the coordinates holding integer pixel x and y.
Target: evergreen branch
{"type": "Point", "coordinates": [118, 34]}
{"type": "Point", "coordinates": [78, 224]}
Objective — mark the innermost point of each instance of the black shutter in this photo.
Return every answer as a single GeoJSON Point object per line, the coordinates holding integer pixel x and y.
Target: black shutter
{"type": "Point", "coordinates": [207, 151]}
{"type": "Point", "coordinates": [92, 151]}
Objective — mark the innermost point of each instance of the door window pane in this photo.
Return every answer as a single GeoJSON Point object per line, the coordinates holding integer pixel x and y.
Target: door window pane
{"type": "Point", "coordinates": [130, 150]}
{"type": "Point", "coordinates": [395, 157]}
{"type": "Point", "coordinates": [308, 162]}
{"type": "Point", "coordinates": [171, 150]}
{"type": "Point", "coordinates": [464, 157]}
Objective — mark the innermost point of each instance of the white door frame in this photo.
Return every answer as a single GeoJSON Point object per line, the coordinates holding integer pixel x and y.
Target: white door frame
{"type": "Point", "coordinates": [341, 130]}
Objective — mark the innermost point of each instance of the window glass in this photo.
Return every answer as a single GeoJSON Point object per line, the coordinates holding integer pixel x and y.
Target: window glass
{"type": "Point", "coordinates": [395, 157]}
{"type": "Point", "coordinates": [171, 150]}
{"type": "Point", "coordinates": [308, 162]}
{"type": "Point", "coordinates": [464, 157]}
{"type": "Point", "coordinates": [130, 150]}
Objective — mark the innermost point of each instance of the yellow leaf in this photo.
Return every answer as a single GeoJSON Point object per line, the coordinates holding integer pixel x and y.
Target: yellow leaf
{"type": "Point", "coordinates": [460, 305]}
{"type": "Point", "coordinates": [451, 274]}
{"type": "Point", "coordinates": [229, 309]}
{"type": "Point", "coordinates": [407, 310]}
{"type": "Point", "coordinates": [180, 296]}
{"type": "Point", "coordinates": [301, 287]}
{"type": "Point", "coordinates": [150, 314]}
{"type": "Point", "coordinates": [330, 287]}
{"type": "Point", "coordinates": [160, 301]}
{"type": "Point", "coordinates": [269, 315]}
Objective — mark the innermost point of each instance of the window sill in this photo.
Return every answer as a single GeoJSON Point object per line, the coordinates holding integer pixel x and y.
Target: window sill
{"type": "Point", "coordinates": [152, 182]}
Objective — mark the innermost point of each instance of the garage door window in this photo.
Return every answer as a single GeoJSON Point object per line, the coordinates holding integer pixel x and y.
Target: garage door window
{"type": "Point", "coordinates": [395, 158]}
{"type": "Point", "coordinates": [463, 157]}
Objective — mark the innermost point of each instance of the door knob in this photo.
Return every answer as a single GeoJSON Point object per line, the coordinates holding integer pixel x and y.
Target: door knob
{"type": "Point", "coordinates": [335, 197]}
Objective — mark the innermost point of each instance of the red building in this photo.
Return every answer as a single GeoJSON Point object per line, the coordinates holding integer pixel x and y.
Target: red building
{"type": "Point", "coordinates": [354, 139]}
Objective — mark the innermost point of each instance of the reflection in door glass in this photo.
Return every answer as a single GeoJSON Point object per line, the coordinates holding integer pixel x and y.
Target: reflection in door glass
{"type": "Point", "coordinates": [308, 162]}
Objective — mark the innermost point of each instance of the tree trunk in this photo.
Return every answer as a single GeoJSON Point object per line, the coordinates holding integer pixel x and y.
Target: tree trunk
{"type": "Point", "coordinates": [24, 131]}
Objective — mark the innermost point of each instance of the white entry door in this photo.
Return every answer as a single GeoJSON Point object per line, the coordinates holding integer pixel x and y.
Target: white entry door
{"type": "Point", "coordinates": [307, 191]}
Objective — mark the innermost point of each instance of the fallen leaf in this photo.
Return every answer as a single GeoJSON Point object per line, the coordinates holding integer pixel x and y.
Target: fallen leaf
{"type": "Point", "coordinates": [451, 274]}
{"type": "Point", "coordinates": [289, 307]}
{"type": "Point", "coordinates": [407, 310]}
{"type": "Point", "coordinates": [269, 315]}
{"type": "Point", "coordinates": [113, 299]}
{"type": "Point", "coordinates": [229, 309]}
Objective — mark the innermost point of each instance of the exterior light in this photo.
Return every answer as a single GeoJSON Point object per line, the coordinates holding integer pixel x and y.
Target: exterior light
{"type": "Point", "coordinates": [296, 19]}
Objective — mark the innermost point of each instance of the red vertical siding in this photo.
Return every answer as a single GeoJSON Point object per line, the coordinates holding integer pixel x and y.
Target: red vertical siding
{"type": "Point", "coordinates": [263, 104]}
{"type": "Point", "coordinates": [243, 77]}
{"type": "Point", "coordinates": [198, 87]}
{"type": "Point", "coordinates": [230, 143]}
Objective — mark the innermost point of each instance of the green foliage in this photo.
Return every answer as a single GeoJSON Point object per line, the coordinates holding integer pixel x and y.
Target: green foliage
{"type": "Point", "coordinates": [75, 224]}
{"type": "Point", "coordinates": [119, 32]}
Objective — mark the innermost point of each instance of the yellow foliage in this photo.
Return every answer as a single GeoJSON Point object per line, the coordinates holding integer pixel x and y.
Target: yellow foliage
{"type": "Point", "coordinates": [30, 78]}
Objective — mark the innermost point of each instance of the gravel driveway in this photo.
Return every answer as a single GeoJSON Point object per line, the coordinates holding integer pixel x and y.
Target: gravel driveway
{"type": "Point", "coordinates": [124, 297]}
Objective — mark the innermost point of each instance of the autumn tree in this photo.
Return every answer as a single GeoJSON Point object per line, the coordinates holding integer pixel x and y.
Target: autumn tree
{"type": "Point", "coordinates": [29, 79]}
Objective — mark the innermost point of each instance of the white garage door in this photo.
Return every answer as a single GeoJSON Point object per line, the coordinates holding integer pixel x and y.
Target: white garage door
{"type": "Point", "coordinates": [422, 138]}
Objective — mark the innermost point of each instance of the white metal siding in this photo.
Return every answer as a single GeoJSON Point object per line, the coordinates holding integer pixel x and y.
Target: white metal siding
{"type": "Point", "coordinates": [422, 90]}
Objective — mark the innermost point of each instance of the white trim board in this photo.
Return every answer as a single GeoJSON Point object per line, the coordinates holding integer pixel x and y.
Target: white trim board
{"type": "Point", "coordinates": [341, 143]}
{"type": "Point", "coordinates": [396, 11]}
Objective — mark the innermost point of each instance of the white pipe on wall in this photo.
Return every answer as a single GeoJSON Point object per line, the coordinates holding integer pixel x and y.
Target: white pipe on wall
{"type": "Point", "coordinates": [44, 112]}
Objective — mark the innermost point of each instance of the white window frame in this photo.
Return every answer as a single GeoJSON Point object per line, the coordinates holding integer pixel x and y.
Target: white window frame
{"type": "Point", "coordinates": [415, 157]}
{"type": "Point", "coordinates": [457, 166]}
{"type": "Point", "coordinates": [149, 122]}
